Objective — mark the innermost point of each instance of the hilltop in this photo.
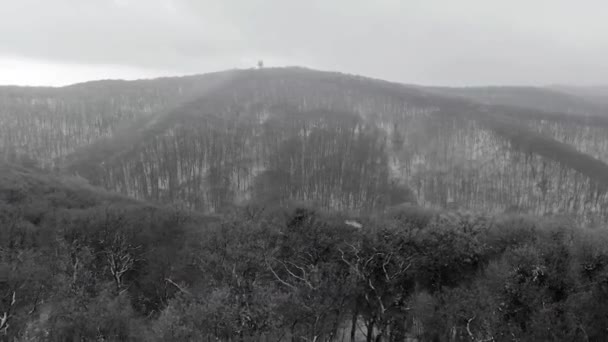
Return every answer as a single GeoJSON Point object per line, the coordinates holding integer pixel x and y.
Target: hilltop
{"type": "Point", "coordinates": [412, 218]}
{"type": "Point", "coordinates": [343, 141]}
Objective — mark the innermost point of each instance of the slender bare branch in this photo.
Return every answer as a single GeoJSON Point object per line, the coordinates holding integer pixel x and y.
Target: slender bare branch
{"type": "Point", "coordinates": [181, 289]}
{"type": "Point", "coordinates": [279, 278]}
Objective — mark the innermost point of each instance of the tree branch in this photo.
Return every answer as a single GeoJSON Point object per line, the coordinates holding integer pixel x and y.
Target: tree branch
{"type": "Point", "coordinates": [279, 278]}
{"type": "Point", "coordinates": [178, 287]}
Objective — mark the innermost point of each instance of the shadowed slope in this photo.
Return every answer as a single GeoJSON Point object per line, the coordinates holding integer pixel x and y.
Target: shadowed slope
{"type": "Point", "coordinates": [343, 140]}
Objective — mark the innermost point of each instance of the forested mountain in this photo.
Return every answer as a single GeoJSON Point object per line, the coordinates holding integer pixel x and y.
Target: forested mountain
{"type": "Point", "coordinates": [291, 204]}
{"type": "Point", "coordinates": [45, 124]}
{"type": "Point", "coordinates": [345, 141]}
{"type": "Point", "coordinates": [595, 94]}
{"type": "Point", "coordinates": [80, 264]}
{"type": "Point", "coordinates": [569, 100]}
{"type": "Point", "coordinates": [341, 141]}
{"type": "Point", "coordinates": [67, 249]}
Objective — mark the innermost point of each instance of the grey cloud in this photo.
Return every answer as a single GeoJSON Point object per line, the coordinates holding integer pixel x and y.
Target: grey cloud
{"type": "Point", "coordinates": [414, 41]}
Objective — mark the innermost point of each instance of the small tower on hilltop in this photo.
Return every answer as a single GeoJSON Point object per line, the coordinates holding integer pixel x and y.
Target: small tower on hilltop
{"type": "Point", "coordinates": [260, 64]}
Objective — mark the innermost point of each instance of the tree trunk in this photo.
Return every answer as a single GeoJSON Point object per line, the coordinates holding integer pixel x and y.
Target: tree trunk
{"type": "Point", "coordinates": [336, 326]}
{"type": "Point", "coordinates": [370, 331]}
{"type": "Point", "coordinates": [353, 328]}
{"type": "Point", "coordinates": [397, 331]}
{"type": "Point", "coordinates": [293, 332]}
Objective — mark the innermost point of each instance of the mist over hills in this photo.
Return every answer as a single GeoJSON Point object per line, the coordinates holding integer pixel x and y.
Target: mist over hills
{"type": "Point", "coordinates": [595, 94]}
{"type": "Point", "coordinates": [342, 141]}
{"type": "Point", "coordinates": [557, 99]}
{"type": "Point", "coordinates": [265, 202]}
{"type": "Point", "coordinates": [47, 123]}
{"type": "Point", "coordinates": [289, 203]}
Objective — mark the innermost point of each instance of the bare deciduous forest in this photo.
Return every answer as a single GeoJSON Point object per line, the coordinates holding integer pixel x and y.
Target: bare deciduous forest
{"type": "Point", "coordinates": [295, 205]}
{"type": "Point", "coordinates": [168, 171]}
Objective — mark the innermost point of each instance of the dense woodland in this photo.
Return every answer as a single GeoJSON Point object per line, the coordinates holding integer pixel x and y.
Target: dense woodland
{"type": "Point", "coordinates": [295, 205]}
{"type": "Point", "coordinates": [78, 264]}
{"type": "Point", "coordinates": [46, 124]}
{"type": "Point", "coordinates": [213, 141]}
{"type": "Point", "coordinates": [342, 141]}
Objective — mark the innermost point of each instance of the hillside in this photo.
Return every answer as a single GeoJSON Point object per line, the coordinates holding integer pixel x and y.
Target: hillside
{"type": "Point", "coordinates": [45, 124]}
{"type": "Point", "coordinates": [341, 141]}
{"type": "Point", "coordinates": [595, 94]}
{"type": "Point", "coordinates": [352, 143]}
{"type": "Point", "coordinates": [552, 99]}
{"type": "Point", "coordinates": [64, 244]}
{"type": "Point", "coordinates": [79, 263]}
{"type": "Point", "coordinates": [360, 260]}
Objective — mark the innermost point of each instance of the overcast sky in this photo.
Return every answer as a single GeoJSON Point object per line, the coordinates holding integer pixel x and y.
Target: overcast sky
{"type": "Point", "coordinates": [441, 42]}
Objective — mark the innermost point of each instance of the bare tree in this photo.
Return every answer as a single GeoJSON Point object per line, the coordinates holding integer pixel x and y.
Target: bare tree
{"type": "Point", "coordinates": [121, 257]}
{"type": "Point", "coordinates": [6, 315]}
{"type": "Point", "coordinates": [379, 274]}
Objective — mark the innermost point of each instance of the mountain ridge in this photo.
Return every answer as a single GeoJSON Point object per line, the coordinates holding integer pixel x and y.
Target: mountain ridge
{"type": "Point", "coordinates": [256, 95]}
{"type": "Point", "coordinates": [215, 140]}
